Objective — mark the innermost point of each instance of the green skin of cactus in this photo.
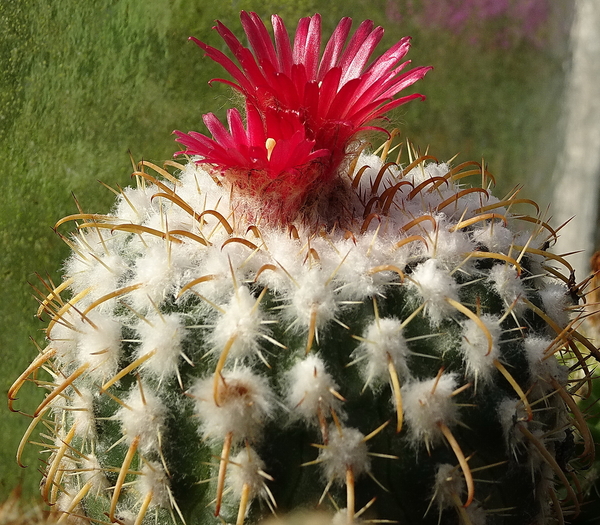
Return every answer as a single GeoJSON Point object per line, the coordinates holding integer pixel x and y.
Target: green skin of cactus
{"type": "Point", "coordinates": [399, 483]}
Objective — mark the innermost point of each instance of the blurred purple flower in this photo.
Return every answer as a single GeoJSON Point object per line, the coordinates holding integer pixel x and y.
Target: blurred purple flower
{"type": "Point", "coordinates": [502, 23]}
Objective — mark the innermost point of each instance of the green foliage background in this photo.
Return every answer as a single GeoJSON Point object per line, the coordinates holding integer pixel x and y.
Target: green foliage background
{"type": "Point", "coordinates": [83, 83]}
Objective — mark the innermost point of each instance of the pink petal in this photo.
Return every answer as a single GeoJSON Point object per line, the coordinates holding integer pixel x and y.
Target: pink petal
{"type": "Point", "coordinates": [238, 133]}
{"type": "Point", "coordinates": [334, 47]}
{"type": "Point", "coordinates": [259, 38]}
{"type": "Point", "coordinates": [357, 64]}
{"type": "Point", "coordinates": [407, 79]}
{"type": "Point", "coordinates": [217, 130]}
{"type": "Point", "coordinates": [255, 126]}
{"type": "Point", "coordinates": [329, 89]}
{"type": "Point", "coordinates": [368, 114]}
{"type": "Point", "coordinates": [299, 79]}
{"type": "Point", "coordinates": [300, 40]}
{"type": "Point", "coordinates": [243, 55]}
{"type": "Point", "coordinates": [225, 62]}
{"type": "Point", "coordinates": [282, 43]}
{"type": "Point", "coordinates": [312, 48]}
{"type": "Point", "coordinates": [363, 31]}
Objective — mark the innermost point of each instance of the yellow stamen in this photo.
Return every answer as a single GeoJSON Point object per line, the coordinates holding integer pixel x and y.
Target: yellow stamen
{"type": "Point", "coordinates": [270, 145]}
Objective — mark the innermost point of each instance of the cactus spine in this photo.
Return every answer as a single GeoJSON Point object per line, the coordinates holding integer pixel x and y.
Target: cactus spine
{"type": "Point", "coordinates": [317, 327]}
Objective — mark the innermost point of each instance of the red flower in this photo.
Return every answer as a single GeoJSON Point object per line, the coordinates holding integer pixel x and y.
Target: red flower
{"type": "Point", "coordinates": [311, 105]}
{"type": "Point", "coordinates": [268, 152]}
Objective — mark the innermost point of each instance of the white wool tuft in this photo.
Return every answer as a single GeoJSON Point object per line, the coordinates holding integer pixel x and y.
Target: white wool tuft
{"type": "Point", "coordinates": [339, 518]}
{"type": "Point", "coordinates": [93, 473]}
{"type": "Point", "coordinates": [434, 285]}
{"type": "Point", "coordinates": [373, 164]}
{"type": "Point", "coordinates": [242, 321]}
{"type": "Point", "coordinates": [383, 342]}
{"type": "Point", "coordinates": [345, 450]}
{"type": "Point", "coordinates": [161, 334]}
{"type": "Point", "coordinates": [359, 257]}
{"type": "Point", "coordinates": [449, 485]}
{"type": "Point", "coordinates": [541, 364]}
{"type": "Point", "coordinates": [143, 417]}
{"type": "Point", "coordinates": [246, 469]}
{"type": "Point", "coordinates": [99, 344]}
{"type": "Point", "coordinates": [125, 516]}
{"type": "Point", "coordinates": [511, 413]}
{"type": "Point", "coordinates": [153, 480]}
{"type": "Point", "coordinates": [134, 206]}
{"type": "Point", "coordinates": [449, 248]}
{"type": "Point", "coordinates": [449, 489]}
{"type": "Point", "coordinates": [64, 503]}
{"type": "Point", "coordinates": [426, 404]}
{"type": "Point", "coordinates": [64, 340]}
{"type": "Point", "coordinates": [477, 514]}
{"type": "Point", "coordinates": [495, 237]}
{"type": "Point", "coordinates": [309, 390]}
{"type": "Point", "coordinates": [507, 284]}
{"type": "Point", "coordinates": [99, 273]}
{"type": "Point", "coordinates": [314, 294]}
{"type": "Point", "coordinates": [214, 265]}
{"type": "Point", "coordinates": [245, 403]}
{"type": "Point", "coordinates": [478, 356]}
{"type": "Point", "coordinates": [159, 271]}
{"type": "Point", "coordinates": [431, 170]}
{"type": "Point", "coordinates": [283, 254]}
{"type": "Point", "coordinates": [82, 410]}
{"type": "Point", "coordinates": [557, 300]}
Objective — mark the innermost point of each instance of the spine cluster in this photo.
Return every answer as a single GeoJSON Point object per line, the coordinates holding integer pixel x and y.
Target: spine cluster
{"type": "Point", "coordinates": [410, 366]}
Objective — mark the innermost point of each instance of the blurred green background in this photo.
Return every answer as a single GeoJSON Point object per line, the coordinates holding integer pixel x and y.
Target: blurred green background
{"type": "Point", "coordinates": [83, 83]}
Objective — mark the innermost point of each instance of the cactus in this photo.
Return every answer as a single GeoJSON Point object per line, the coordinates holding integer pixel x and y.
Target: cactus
{"type": "Point", "coordinates": [287, 321]}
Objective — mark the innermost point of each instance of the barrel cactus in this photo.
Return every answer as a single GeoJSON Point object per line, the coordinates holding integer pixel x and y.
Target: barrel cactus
{"type": "Point", "coordinates": [286, 318]}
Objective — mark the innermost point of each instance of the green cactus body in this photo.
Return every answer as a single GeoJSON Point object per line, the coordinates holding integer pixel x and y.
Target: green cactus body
{"type": "Point", "coordinates": [394, 352]}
